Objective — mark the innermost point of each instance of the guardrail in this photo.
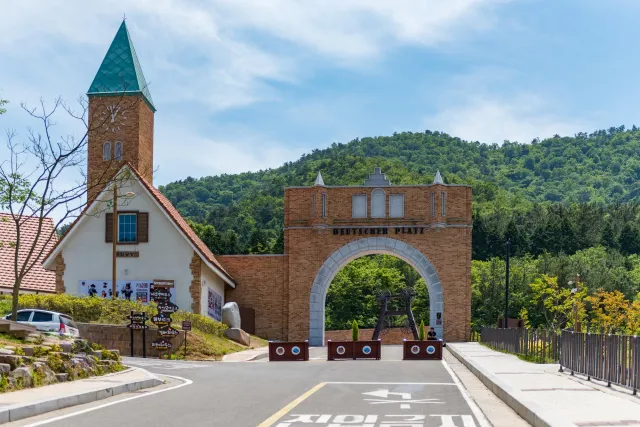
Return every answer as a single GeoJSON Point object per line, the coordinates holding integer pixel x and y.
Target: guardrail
{"type": "Point", "coordinates": [611, 358]}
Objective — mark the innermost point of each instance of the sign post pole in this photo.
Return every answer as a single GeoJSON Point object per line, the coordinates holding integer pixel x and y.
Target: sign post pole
{"type": "Point", "coordinates": [144, 344]}
{"type": "Point", "coordinates": [186, 327]}
{"type": "Point", "coordinates": [132, 337]}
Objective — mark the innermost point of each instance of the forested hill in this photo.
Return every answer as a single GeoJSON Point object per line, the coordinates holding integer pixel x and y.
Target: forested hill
{"type": "Point", "coordinates": [548, 182]}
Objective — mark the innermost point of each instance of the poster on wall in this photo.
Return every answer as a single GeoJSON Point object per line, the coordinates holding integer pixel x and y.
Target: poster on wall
{"type": "Point", "coordinates": [133, 290]}
{"type": "Point", "coordinates": [214, 305]}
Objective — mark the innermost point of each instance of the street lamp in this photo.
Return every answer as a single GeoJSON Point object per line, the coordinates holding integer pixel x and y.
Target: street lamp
{"type": "Point", "coordinates": [115, 237]}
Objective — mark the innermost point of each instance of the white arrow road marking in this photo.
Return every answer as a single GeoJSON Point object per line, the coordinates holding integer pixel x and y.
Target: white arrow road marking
{"type": "Point", "coordinates": [404, 403]}
{"type": "Point", "coordinates": [383, 393]}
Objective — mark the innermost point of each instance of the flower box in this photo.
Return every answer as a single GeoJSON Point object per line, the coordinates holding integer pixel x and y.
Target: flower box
{"type": "Point", "coordinates": [422, 350]}
{"type": "Point", "coordinates": [288, 351]}
{"type": "Point", "coordinates": [353, 350]}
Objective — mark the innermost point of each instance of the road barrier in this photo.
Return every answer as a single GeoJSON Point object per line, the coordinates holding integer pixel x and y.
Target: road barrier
{"type": "Point", "coordinates": [422, 350]}
{"type": "Point", "coordinates": [288, 351]}
{"type": "Point", "coordinates": [370, 349]}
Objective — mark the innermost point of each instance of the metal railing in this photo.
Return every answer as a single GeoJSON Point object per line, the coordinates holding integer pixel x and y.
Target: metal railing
{"type": "Point", "coordinates": [611, 358]}
{"type": "Point", "coordinates": [540, 345]}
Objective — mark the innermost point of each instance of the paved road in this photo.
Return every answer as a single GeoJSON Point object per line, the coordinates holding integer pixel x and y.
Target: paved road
{"type": "Point", "coordinates": [387, 393]}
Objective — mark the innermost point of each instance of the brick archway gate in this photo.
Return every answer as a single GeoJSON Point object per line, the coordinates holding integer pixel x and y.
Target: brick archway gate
{"type": "Point", "coordinates": [367, 246]}
{"type": "Point", "coordinates": [428, 226]}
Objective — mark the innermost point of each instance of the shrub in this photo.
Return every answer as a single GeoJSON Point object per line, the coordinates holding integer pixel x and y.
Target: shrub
{"type": "Point", "coordinates": [355, 332]}
{"type": "Point", "coordinates": [110, 355]}
{"type": "Point", "coordinates": [421, 331]}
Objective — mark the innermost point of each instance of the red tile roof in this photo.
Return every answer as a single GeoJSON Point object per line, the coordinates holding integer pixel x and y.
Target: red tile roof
{"type": "Point", "coordinates": [173, 213]}
{"type": "Point", "coordinates": [175, 216]}
{"type": "Point", "coordinates": [38, 279]}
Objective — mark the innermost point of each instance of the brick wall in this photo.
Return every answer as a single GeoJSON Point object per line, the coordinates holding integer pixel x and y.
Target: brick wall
{"type": "Point", "coordinates": [195, 288]}
{"type": "Point", "coordinates": [116, 337]}
{"type": "Point", "coordinates": [279, 287]}
{"type": "Point", "coordinates": [393, 335]}
{"type": "Point", "coordinates": [133, 126]}
{"type": "Point", "coordinates": [260, 282]}
{"type": "Point", "coordinates": [60, 267]}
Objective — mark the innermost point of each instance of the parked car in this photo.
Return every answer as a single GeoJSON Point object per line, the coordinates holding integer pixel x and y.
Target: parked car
{"type": "Point", "coordinates": [48, 321]}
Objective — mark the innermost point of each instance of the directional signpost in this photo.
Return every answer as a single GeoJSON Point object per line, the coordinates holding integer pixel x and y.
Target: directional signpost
{"type": "Point", "coordinates": [138, 322]}
{"type": "Point", "coordinates": [162, 297]}
{"type": "Point", "coordinates": [186, 327]}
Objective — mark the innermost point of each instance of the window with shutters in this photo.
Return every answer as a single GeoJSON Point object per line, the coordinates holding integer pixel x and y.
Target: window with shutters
{"type": "Point", "coordinates": [378, 203]}
{"type": "Point", "coordinates": [444, 203]}
{"type": "Point", "coordinates": [133, 227]}
{"type": "Point", "coordinates": [324, 205]}
{"type": "Point", "coordinates": [106, 151]}
{"type": "Point", "coordinates": [127, 228]}
{"type": "Point", "coordinates": [117, 151]}
{"type": "Point", "coordinates": [433, 204]}
{"type": "Point", "coordinates": [396, 205]}
{"type": "Point", "coordinates": [359, 205]}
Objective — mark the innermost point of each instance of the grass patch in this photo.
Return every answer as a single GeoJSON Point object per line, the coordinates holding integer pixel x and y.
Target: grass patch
{"type": "Point", "coordinates": [205, 341]}
{"type": "Point", "coordinates": [531, 358]}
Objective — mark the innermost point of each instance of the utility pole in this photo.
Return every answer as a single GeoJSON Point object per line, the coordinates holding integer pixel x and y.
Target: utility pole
{"type": "Point", "coordinates": [115, 240]}
{"type": "Point", "coordinates": [506, 290]}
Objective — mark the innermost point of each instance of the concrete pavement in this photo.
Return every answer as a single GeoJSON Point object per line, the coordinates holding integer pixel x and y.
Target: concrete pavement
{"type": "Point", "coordinates": [34, 401]}
{"type": "Point", "coordinates": [543, 396]}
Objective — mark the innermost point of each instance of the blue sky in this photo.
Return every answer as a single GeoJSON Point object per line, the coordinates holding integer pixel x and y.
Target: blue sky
{"type": "Point", "coordinates": [242, 85]}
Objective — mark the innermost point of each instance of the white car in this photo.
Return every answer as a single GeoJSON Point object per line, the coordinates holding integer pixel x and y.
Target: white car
{"type": "Point", "coordinates": [48, 321]}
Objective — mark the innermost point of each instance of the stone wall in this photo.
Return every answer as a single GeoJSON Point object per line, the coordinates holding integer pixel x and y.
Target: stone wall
{"type": "Point", "coordinates": [118, 337]}
{"type": "Point", "coordinates": [260, 281]}
{"type": "Point", "coordinates": [393, 335]}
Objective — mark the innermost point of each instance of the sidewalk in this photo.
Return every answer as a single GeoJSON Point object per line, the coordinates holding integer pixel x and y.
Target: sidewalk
{"type": "Point", "coordinates": [35, 401]}
{"type": "Point", "coordinates": [247, 355]}
{"type": "Point", "coordinates": [545, 397]}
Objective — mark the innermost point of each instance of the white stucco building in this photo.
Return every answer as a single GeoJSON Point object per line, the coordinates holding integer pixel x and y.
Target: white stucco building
{"type": "Point", "coordinates": [155, 246]}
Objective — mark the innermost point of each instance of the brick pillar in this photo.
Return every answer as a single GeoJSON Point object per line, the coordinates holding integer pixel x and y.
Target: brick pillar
{"type": "Point", "coordinates": [195, 289]}
{"type": "Point", "coordinates": [60, 266]}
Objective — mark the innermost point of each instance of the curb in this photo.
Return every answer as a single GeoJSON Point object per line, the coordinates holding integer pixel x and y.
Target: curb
{"type": "Point", "coordinates": [530, 411]}
{"type": "Point", "coordinates": [19, 411]}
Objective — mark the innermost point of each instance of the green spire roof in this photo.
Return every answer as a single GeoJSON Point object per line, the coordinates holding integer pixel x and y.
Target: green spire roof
{"type": "Point", "coordinates": [120, 71]}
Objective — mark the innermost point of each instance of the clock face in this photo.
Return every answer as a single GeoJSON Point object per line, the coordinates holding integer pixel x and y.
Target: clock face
{"type": "Point", "coordinates": [114, 117]}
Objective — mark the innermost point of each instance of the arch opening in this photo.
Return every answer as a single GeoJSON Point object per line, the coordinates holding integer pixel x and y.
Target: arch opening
{"type": "Point", "coordinates": [368, 246]}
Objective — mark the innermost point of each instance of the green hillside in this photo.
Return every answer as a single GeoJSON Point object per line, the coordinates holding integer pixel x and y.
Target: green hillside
{"type": "Point", "coordinates": [581, 189]}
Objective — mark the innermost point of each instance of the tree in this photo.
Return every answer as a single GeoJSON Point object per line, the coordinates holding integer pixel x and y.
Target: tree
{"type": "Point", "coordinates": [555, 303]}
{"type": "Point", "coordinates": [35, 184]}
{"type": "Point", "coordinates": [3, 102]}
{"type": "Point", "coordinates": [608, 310]}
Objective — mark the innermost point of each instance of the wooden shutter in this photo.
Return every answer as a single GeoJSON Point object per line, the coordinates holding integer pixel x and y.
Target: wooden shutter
{"type": "Point", "coordinates": [108, 228]}
{"type": "Point", "coordinates": [143, 227]}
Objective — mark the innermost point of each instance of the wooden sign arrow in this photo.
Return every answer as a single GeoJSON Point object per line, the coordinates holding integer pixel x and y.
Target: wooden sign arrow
{"type": "Point", "coordinates": [161, 344]}
{"type": "Point", "coordinates": [137, 326]}
{"type": "Point", "coordinates": [168, 332]}
{"type": "Point", "coordinates": [168, 307]}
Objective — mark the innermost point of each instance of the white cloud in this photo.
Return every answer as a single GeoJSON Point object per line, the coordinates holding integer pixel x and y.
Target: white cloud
{"type": "Point", "coordinates": [492, 120]}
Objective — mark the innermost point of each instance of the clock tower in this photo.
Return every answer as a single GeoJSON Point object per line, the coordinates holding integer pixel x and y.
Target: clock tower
{"type": "Point", "coordinates": [120, 116]}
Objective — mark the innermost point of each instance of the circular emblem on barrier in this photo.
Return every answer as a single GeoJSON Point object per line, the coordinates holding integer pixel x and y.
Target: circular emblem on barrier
{"type": "Point", "coordinates": [415, 349]}
{"type": "Point", "coordinates": [340, 350]}
{"type": "Point", "coordinates": [431, 349]}
{"type": "Point", "coordinates": [366, 349]}
{"type": "Point", "coordinates": [295, 350]}
{"type": "Point", "coordinates": [280, 351]}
